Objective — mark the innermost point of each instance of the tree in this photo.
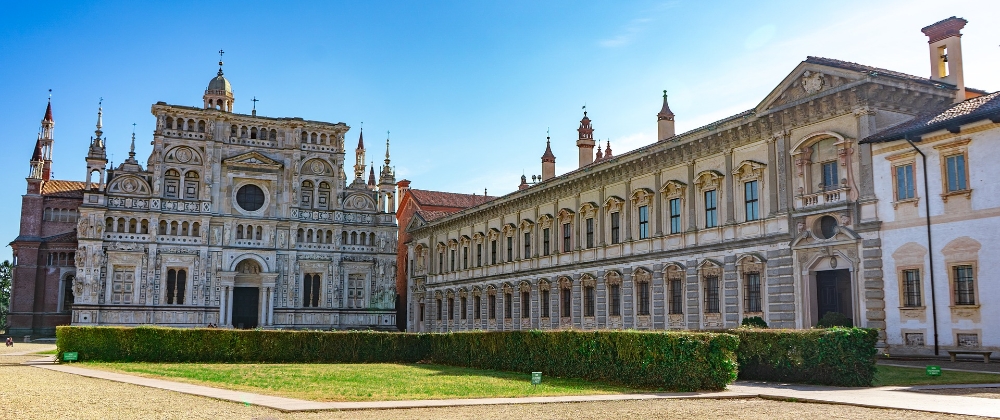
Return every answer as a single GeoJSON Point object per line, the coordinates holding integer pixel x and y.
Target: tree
{"type": "Point", "coordinates": [5, 283]}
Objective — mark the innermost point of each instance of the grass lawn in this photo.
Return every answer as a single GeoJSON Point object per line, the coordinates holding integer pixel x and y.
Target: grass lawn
{"type": "Point", "coordinates": [901, 376]}
{"type": "Point", "coordinates": [362, 382]}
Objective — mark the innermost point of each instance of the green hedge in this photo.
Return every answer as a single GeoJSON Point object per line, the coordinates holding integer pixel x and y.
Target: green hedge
{"type": "Point", "coordinates": [672, 361]}
{"type": "Point", "coordinates": [835, 356]}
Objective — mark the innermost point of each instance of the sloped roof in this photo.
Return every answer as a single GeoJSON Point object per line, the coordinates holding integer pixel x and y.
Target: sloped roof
{"type": "Point", "coordinates": [429, 215]}
{"type": "Point", "coordinates": [877, 71]}
{"type": "Point", "coordinates": [447, 199]}
{"type": "Point", "coordinates": [967, 111]}
{"type": "Point", "coordinates": [59, 188]}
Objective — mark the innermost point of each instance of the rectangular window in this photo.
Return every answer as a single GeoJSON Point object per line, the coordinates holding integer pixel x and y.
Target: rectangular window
{"type": "Point", "coordinates": [911, 288]}
{"type": "Point", "coordinates": [830, 179]}
{"type": "Point", "coordinates": [544, 301]}
{"type": "Point", "coordinates": [676, 297]}
{"type": "Point", "coordinates": [590, 232]}
{"type": "Point", "coordinates": [465, 307]}
{"type": "Point", "coordinates": [465, 258]}
{"type": "Point", "coordinates": [643, 222]}
{"type": "Point", "coordinates": [643, 298]}
{"type": "Point", "coordinates": [451, 308]}
{"type": "Point", "coordinates": [566, 244]}
{"type": "Point", "coordinates": [615, 303]}
{"type": "Point", "coordinates": [567, 302]}
{"type": "Point", "coordinates": [452, 260]}
{"type": "Point", "coordinates": [441, 261]}
{"type": "Point", "coordinates": [545, 241]}
{"type": "Point", "coordinates": [310, 290]}
{"type": "Point", "coordinates": [177, 285]}
{"type": "Point", "coordinates": [493, 252]}
{"type": "Point", "coordinates": [751, 198]}
{"type": "Point", "coordinates": [510, 249]}
{"type": "Point", "coordinates": [956, 173]}
{"type": "Point", "coordinates": [712, 295]}
{"type": "Point", "coordinates": [508, 305]}
{"type": "Point", "coordinates": [420, 309]}
{"type": "Point", "coordinates": [527, 245]}
{"type": "Point", "coordinates": [525, 305]}
{"type": "Point", "coordinates": [615, 227]}
{"type": "Point", "coordinates": [711, 209]}
{"type": "Point", "coordinates": [904, 182]}
{"type": "Point", "coordinates": [751, 292]}
{"type": "Point", "coordinates": [493, 306]}
{"type": "Point", "coordinates": [479, 255]}
{"type": "Point", "coordinates": [477, 307]}
{"type": "Point", "coordinates": [589, 301]}
{"type": "Point", "coordinates": [122, 284]}
{"type": "Point", "coordinates": [675, 215]}
{"type": "Point", "coordinates": [440, 308]}
{"type": "Point", "coordinates": [965, 292]}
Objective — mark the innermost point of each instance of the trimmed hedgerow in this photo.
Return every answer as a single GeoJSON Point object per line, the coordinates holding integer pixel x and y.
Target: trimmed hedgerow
{"type": "Point", "coordinates": [665, 360]}
{"type": "Point", "coordinates": [835, 356]}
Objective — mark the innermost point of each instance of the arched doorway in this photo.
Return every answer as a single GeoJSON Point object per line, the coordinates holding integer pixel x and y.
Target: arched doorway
{"type": "Point", "coordinates": [246, 294]}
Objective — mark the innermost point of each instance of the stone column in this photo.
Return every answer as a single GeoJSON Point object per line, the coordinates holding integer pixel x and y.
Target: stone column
{"type": "Point", "coordinates": [229, 308]}
{"type": "Point", "coordinates": [730, 213]}
{"type": "Point", "coordinates": [772, 177]}
{"type": "Point", "coordinates": [657, 205]}
{"type": "Point", "coordinates": [224, 306]}
{"type": "Point", "coordinates": [866, 127]}
{"type": "Point", "coordinates": [692, 208]}
{"type": "Point", "coordinates": [693, 303]}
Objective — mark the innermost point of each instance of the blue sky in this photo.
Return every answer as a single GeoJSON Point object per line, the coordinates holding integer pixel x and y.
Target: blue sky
{"type": "Point", "coordinates": [467, 88]}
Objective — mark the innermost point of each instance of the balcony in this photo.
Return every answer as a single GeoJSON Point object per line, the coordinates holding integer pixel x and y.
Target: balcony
{"type": "Point", "coordinates": [826, 197]}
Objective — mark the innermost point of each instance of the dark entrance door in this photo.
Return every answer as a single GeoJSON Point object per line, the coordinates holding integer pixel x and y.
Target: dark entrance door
{"type": "Point", "coordinates": [833, 292]}
{"type": "Point", "coordinates": [245, 307]}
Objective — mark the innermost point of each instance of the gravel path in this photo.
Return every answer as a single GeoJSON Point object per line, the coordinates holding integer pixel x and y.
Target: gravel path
{"type": "Point", "coordinates": [32, 393]}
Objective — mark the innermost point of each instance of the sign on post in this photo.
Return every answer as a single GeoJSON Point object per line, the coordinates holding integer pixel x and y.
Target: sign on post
{"type": "Point", "coordinates": [70, 356]}
{"type": "Point", "coordinates": [933, 370]}
{"type": "Point", "coordinates": [536, 378]}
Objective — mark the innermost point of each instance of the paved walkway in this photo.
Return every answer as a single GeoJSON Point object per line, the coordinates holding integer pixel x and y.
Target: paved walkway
{"type": "Point", "coordinates": [961, 365]}
{"type": "Point", "coordinates": [882, 397]}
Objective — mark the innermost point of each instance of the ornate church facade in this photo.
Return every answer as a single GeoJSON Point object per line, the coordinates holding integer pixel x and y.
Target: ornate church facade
{"type": "Point", "coordinates": [235, 221]}
{"type": "Point", "coordinates": [771, 212]}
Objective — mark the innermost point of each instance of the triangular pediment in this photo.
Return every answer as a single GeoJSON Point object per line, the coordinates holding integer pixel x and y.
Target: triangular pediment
{"type": "Point", "coordinates": [252, 159]}
{"type": "Point", "coordinates": [806, 82]}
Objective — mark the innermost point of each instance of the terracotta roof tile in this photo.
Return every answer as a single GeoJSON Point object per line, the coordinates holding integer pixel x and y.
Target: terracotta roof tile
{"type": "Point", "coordinates": [967, 111]}
{"type": "Point", "coordinates": [59, 188]}
{"type": "Point", "coordinates": [429, 215]}
{"type": "Point", "coordinates": [447, 199]}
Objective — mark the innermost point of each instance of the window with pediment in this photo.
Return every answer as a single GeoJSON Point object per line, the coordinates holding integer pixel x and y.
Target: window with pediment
{"type": "Point", "coordinates": [565, 226]}
{"type": "Point", "coordinates": [613, 281]}
{"type": "Point", "coordinates": [544, 298]}
{"type": "Point", "coordinates": [709, 183]}
{"type": "Point", "coordinates": [711, 274]}
{"type": "Point", "coordinates": [589, 285]}
{"type": "Point", "coordinates": [588, 214]}
{"type": "Point", "coordinates": [642, 200]}
{"type": "Point", "coordinates": [750, 177]}
{"type": "Point", "coordinates": [673, 194]}
{"type": "Point", "coordinates": [674, 276]}
{"type": "Point", "coordinates": [821, 160]}
{"type": "Point", "coordinates": [613, 207]}
{"type": "Point", "coordinates": [566, 300]}
{"type": "Point", "coordinates": [525, 289]}
{"type": "Point", "coordinates": [750, 272]}
{"type": "Point", "coordinates": [643, 287]}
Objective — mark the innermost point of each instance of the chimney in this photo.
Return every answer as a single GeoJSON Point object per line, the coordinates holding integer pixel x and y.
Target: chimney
{"type": "Point", "coordinates": [524, 183]}
{"type": "Point", "coordinates": [945, 42]}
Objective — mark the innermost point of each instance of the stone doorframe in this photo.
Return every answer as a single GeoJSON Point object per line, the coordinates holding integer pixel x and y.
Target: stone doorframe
{"type": "Point", "coordinates": [826, 259]}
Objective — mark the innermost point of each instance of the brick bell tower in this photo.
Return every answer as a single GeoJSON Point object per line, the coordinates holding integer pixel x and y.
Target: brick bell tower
{"type": "Point", "coordinates": [585, 141]}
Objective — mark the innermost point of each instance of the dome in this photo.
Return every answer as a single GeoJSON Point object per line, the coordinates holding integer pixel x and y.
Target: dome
{"type": "Point", "coordinates": [220, 83]}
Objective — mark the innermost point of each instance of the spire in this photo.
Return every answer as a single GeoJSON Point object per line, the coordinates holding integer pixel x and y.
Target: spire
{"type": "Point", "coordinates": [359, 157]}
{"type": "Point", "coordinates": [599, 154]}
{"type": "Point", "coordinates": [607, 150]}
{"type": "Point", "coordinates": [548, 156]}
{"type": "Point", "coordinates": [37, 155]}
{"type": "Point", "coordinates": [100, 121]}
{"type": "Point", "coordinates": [387, 149]}
{"type": "Point", "coordinates": [371, 176]}
{"type": "Point", "coordinates": [361, 138]}
{"type": "Point", "coordinates": [48, 110]}
{"type": "Point", "coordinates": [665, 112]}
{"type": "Point", "coordinates": [220, 61]}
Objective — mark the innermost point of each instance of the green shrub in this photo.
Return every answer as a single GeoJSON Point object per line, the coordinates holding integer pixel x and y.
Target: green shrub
{"type": "Point", "coordinates": [680, 361]}
{"type": "Point", "coordinates": [834, 319]}
{"type": "Point", "coordinates": [835, 356]}
{"type": "Point", "coordinates": [754, 322]}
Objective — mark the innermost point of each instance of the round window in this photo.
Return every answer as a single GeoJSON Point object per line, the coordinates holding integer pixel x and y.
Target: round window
{"type": "Point", "coordinates": [250, 197]}
{"type": "Point", "coordinates": [828, 226]}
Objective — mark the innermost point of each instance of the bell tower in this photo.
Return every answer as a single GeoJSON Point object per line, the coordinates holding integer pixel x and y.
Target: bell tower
{"type": "Point", "coordinates": [945, 43]}
{"type": "Point", "coordinates": [97, 156]}
{"type": "Point", "coordinates": [219, 95]}
{"type": "Point", "coordinates": [585, 141]}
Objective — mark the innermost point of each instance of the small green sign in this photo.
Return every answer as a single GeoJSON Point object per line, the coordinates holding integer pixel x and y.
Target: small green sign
{"type": "Point", "coordinates": [933, 370]}
{"type": "Point", "coordinates": [70, 356]}
{"type": "Point", "coordinates": [536, 378]}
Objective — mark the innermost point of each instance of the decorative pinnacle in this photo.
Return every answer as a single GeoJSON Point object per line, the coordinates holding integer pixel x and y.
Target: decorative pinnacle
{"type": "Point", "coordinates": [100, 122]}
{"type": "Point", "coordinates": [387, 149]}
{"type": "Point", "coordinates": [131, 150]}
{"type": "Point", "coordinates": [220, 61]}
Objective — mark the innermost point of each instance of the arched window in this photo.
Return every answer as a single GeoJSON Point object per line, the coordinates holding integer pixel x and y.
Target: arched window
{"type": "Point", "coordinates": [144, 226]}
{"type": "Point", "coordinates": [307, 193]}
{"type": "Point", "coordinates": [299, 236]}
{"type": "Point", "coordinates": [343, 238]}
{"type": "Point", "coordinates": [121, 225]}
{"type": "Point", "coordinates": [171, 183]}
{"type": "Point", "coordinates": [68, 293]}
{"type": "Point", "coordinates": [173, 228]}
{"type": "Point", "coordinates": [47, 214]}
{"type": "Point", "coordinates": [133, 226]}
{"type": "Point", "coordinates": [253, 133]}
{"type": "Point", "coordinates": [196, 229]}
{"type": "Point", "coordinates": [258, 232]}
{"type": "Point", "coordinates": [190, 125]}
{"type": "Point", "coordinates": [163, 227]}
{"type": "Point", "coordinates": [312, 138]}
{"type": "Point", "coordinates": [329, 236]}
{"type": "Point", "coordinates": [305, 137]}
{"type": "Point", "coordinates": [273, 135]}
{"type": "Point", "coordinates": [354, 238]}
{"type": "Point", "coordinates": [184, 229]}
{"type": "Point", "coordinates": [201, 126]}
{"type": "Point", "coordinates": [170, 123]}
{"type": "Point", "coordinates": [191, 180]}
{"type": "Point", "coordinates": [109, 224]}
{"type": "Point", "coordinates": [311, 290]}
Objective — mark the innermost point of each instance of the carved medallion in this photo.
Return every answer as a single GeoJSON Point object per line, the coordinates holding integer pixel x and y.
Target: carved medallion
{"type": "Point", "coordinates": [812, 82]}
{"type": "Point", "coordinates": [317, 167]}
{"type": "Point", "coordinates": [183, 155]}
